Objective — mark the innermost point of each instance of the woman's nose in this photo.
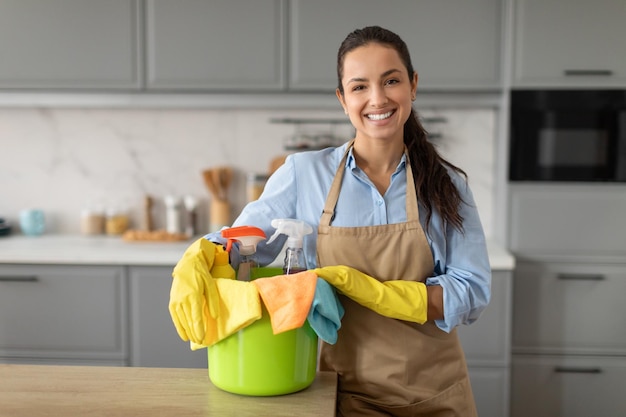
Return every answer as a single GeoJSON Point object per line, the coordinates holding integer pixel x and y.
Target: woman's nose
{"type": "Point", "coordinates": [378, 97]}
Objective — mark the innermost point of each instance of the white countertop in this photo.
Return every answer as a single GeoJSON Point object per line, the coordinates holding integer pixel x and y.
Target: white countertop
{"type": "Point", "coordinates": [105, 250]}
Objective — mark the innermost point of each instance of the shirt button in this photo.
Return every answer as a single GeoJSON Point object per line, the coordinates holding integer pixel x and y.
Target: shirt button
{"type": "Point", "coordinates": [379, 202]}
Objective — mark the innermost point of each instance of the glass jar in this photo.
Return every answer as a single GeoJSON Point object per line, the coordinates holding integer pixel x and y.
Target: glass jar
{"type": "Point", "coordinates": [92, 222]}
{"type": "Point", "coordinates": [116, 221]}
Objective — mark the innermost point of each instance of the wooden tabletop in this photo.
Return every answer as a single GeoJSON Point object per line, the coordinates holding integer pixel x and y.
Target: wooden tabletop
{"type": "Point", "coordinates": [92, 391]}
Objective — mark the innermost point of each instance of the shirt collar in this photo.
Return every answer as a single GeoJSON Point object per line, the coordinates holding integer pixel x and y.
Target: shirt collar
{"type": "Point", "coordinates": [351, 162]}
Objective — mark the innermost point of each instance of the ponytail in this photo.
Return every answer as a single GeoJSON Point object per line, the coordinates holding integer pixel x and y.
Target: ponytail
{"type": "Point", "coordinates": [433, 184]}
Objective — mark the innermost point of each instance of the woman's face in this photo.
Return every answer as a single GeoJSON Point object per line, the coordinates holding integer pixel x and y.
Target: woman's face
{"type": "Point", "coordinates": [378, 91]}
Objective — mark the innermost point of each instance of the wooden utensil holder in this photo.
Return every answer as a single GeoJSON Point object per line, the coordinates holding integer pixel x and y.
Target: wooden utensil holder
{"type": "Point", "coordinates": [219, 214]}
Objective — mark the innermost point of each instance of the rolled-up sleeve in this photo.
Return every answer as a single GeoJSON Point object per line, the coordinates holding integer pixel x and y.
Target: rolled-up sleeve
{"type": "Point", "coordinates": [461, 265]}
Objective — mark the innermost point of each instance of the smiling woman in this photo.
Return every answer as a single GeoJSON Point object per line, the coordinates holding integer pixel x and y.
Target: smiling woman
{"type": "Point", "coordinates": [399, 236]}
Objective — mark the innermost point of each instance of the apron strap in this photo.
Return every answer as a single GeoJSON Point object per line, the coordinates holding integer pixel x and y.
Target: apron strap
{"type": "Point", "coordinates": [328, 214]}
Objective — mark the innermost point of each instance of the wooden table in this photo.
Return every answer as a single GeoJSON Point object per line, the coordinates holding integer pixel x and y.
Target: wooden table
{"type": "Point", "coordinates": [91, 391]}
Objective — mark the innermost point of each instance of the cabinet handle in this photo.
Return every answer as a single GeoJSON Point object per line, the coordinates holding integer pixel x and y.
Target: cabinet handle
{"type": "Point", "coordinates": [574, 370]}
{"type": "Point", "coordinates": [581, 277]}
{"type": "Point", "coordinates": [19, 278]}
{"type": "Point", "coordinates": [590, 72]}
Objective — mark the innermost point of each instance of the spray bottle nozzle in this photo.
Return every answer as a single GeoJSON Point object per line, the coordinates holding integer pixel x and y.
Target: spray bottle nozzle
{"type": "Point", "coordinates": [294, 229]}
{"type": "Point", "coordinates": [248, 236]}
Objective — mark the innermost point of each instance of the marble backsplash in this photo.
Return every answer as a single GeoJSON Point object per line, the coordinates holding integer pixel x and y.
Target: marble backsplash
{"type": "Point", "coordinates": [63, 160]}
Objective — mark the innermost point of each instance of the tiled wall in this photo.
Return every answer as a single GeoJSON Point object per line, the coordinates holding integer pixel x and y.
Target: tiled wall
{"type": "Point", "coordinates": [63, 160]}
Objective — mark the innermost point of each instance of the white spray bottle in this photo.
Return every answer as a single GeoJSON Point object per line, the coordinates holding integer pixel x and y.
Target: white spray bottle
{"type": "Point", "coordinates": [295, 230]}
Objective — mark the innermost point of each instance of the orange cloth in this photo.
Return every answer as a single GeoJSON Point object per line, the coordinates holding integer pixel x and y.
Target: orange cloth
{"type": "Point", "coordinates": [287, 298]}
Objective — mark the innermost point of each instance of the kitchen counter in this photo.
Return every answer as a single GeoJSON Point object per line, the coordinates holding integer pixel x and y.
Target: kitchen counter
{"type": "Point", "coordinates": [107, 250]}
{"type": "Point", "coordinates": [44, 390]}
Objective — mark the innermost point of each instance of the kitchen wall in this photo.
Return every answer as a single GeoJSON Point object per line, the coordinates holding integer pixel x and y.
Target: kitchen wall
{"type": "Point", "coordinates": [65, 159]}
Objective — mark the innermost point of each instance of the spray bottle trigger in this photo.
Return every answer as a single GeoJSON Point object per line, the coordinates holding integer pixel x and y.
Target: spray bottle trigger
{"type": "Point", "coordinates": [273, 237]}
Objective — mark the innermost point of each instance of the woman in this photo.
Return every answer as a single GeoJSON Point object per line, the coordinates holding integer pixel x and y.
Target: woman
{"type": "Point", "coordinates": [388, 205]}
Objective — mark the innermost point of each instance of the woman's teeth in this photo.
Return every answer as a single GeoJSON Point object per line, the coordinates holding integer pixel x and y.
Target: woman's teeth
{"type": "Point", "coordinates": [379, 116]}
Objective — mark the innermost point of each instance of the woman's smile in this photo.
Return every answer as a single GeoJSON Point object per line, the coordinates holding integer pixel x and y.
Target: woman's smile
{"type": "Point", "coordinates": [380, 116]}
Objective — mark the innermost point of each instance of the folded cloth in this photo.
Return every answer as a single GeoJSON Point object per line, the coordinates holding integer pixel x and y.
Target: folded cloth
{"type": "Point", "coordinates": [398, 299]}
{"type": "Point", "coordinates": [326, 312]}
{"type": "Point", "coordinates": [239, 306]}
{"type": "Point", "coordinates": [287, 298]}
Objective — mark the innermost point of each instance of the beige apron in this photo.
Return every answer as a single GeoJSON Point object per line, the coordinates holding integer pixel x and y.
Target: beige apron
{"type": "Point", "coordinates": [388, 366]}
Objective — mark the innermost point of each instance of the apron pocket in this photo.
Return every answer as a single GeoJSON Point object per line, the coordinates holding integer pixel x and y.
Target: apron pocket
{"type": "Point", "coordinates": [455, 401]}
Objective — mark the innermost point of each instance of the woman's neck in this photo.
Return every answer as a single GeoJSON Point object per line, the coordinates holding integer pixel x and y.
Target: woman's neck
{"type": "Point", "coordinates": [378, 160]}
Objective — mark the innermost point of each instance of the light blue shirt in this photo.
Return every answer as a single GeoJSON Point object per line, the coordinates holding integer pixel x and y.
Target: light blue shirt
{"type": "Point", "coordinates": [298, 190]}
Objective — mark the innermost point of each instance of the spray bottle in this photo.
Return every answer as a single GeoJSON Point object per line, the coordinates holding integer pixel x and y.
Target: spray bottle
{"type": "Point", "coordinates": [294, 255]}
{"type": "Point", "coordinates": [248, 237]}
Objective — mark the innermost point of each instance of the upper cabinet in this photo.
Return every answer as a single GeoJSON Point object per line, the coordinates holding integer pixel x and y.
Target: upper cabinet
{"type": "Point", "coordinates": [217, 45]}
{"type": "Point", "coordinates": [454, 44]}
{"type": "Point", "coordinates": [561, 43]}
{"type": "Point", "coordinates": [87, 44]}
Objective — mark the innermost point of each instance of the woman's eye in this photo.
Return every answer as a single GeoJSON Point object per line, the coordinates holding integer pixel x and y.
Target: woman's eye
{"type": "Point", "coordinates": [391, 81]}
{"type": "Point", "coordinates": [358, 87]}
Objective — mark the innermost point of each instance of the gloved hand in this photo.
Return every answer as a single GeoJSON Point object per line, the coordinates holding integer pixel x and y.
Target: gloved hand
{"type": "Point", "coordinates": [404, 300]}
{"type": "Point", "coordinates": [194, 295]}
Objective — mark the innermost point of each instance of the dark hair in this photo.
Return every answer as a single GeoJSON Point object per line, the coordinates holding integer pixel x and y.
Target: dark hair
{"type": "Point", "coordinates": [433, 184]}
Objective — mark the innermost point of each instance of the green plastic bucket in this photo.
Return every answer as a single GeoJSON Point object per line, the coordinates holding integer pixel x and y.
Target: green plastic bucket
{"type": "Point", "coordinates": [256, 362]}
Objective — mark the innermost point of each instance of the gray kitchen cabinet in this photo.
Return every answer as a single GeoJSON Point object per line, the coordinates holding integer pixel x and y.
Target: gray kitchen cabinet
{"type": "Point", "coordinates": [217, 45]}
{"type": "Point", "coordinates": [562, 43]}
{"type": "Point", "coordinates": [568, 386]}
{"type": "Point", "coordinates": [63, 314]}
{"type": "Point", "coordinates": [560, 218]}
{"type": "Point", "coordinates": [486, 344]}
{"type": "Point", "coordinates": [568, 344]}
{"type": "Point", "coordinates": [454, 45]}
{"type": "Point", "coordinates": [70, 44]}
{"type": "Point", "coordinates": [569, 347]}
{"type": "Point", "coordinates": [570, 307]}
{"type": "Point", "coordinates": [154, 340]}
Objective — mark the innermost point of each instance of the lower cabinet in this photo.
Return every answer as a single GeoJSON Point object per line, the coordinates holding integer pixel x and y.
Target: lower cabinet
{"type": "Point", "coordinates": [154, 340]}
{"type": "Point", "coordinates": [568, 386]}
{"type": "Point", "coordinates": [63, 314]}
{"type": "Point", "coordinates": [486, 344]}
{"type": "Point", "coordinates": [569, 345]}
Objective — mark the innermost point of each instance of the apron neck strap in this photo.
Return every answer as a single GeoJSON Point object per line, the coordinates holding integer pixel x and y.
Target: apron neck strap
{"type": "Point", "coordinates": [328, 214]}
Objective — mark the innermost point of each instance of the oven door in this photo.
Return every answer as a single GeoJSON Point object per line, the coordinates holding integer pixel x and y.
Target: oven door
{"type": "Point", "coordinates": [571, 141]}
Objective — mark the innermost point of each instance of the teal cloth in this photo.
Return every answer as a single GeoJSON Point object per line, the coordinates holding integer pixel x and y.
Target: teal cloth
{"type": "Point", "coordinates": [326, 312]}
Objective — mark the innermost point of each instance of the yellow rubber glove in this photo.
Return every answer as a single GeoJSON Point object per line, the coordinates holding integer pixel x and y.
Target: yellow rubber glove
{"type": "Point", "coordinates": [194, 295]}
{"type": "Point", "coordinates": [240, 306]}
{"type": "Point", "coordinates": [404, 300]}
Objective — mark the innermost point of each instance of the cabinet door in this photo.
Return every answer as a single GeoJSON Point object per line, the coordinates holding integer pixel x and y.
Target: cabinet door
{"type": "Point", "coordinates": [569, 43]}
{"type": "Point", "coordinates": [215, 45]}
{"type": "Point", "coordinates": [154, 340]}
{"type": "Point", "coordinates": [453, 44]}
{"type": "Point", "coordinates": [488, 340]}
{"type": "Point", "coordinates": [559, 219]}
{"type": "Point", "coordinates": [69, 44]}
{"type": "Point", "coordinates": [491, 390]}
{"type": "Point", "coordinates": [567, 386]}
{"type": "Point", "coordinates": [575, 308]}
{"type": "Point", "coordinates": [51, 313]}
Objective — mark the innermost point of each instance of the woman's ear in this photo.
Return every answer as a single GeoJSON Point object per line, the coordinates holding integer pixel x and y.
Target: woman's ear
{"type": "Point", "coordinates": [414, 85]}
{"type": "Point", "coordinates": [341, 100]}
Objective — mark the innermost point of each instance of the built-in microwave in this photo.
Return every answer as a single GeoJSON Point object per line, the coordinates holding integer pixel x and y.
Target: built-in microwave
{"type": "Point", "coordinates": [568, 135]}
